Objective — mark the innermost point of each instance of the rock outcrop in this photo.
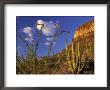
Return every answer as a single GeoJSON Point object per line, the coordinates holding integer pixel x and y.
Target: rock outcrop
{"type": "Point", "coordinates": [82, 43]}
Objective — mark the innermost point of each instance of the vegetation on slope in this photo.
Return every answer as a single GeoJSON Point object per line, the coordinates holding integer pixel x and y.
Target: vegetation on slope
{"type": "Point", "coordinates": [76, 58]}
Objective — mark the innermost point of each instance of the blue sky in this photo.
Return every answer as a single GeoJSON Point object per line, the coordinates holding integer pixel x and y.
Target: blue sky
{"type": "Point", "coordinates": [67, 23]}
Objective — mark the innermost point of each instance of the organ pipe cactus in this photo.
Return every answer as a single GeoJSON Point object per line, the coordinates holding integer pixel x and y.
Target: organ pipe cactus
{"type": "Point", "coordinates": [58, 58]}
{"type": "Point", "coordinates": [70, 68]}
{"type": "Point", "coordinates": [74, 63]}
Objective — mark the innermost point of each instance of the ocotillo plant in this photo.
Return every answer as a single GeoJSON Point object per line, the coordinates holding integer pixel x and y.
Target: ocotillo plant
{"type": "Point", "coordinates": [51, 44]}
{"type": "Point", "coordinates": [38, 40]}
{"type": "Point", "coordinates": [61, 31]}
{"type": "Point", "coordinates": [23, 39]}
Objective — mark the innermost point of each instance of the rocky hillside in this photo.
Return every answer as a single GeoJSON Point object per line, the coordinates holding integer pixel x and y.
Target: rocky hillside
{"type": "Point", "coordinates": [83, 40]}
{"type": "Point", "coordinates": [76, 58]}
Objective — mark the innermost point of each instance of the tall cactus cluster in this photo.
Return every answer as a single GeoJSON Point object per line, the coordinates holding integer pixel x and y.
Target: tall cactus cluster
{"type": "Point", "coordinates": [82, 46]}
{"type": "Point", "coordinates": [74, 59]}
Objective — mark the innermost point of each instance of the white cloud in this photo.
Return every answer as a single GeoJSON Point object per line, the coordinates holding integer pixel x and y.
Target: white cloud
{"type": "Point", "coordinates": [40, 24]}
{"type": "Point", "coordinates": [30, 34]}
{"type": "Point", "coordinates": [49, 39]}
{"type": "Point", "coordinates": [29, 39]}
{"type": "Point", "coordinates": [53, 43]}
{"type": "Point", "coordinates": [39, 27]}
{"type": "Point", "coordinates": [28, 31]}
{"type": "Point", "coordinates": [47, 43]}
{"type": "Point", "coordinates": [48, 28]}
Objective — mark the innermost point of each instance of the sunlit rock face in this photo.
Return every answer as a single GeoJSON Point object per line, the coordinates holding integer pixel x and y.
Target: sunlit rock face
{"type": "Point", "coordinates": [84, 39]}
{"type": "Point", "coordinates": [84, 36]}
{"type": "Point", "coordinates": [84, 30]}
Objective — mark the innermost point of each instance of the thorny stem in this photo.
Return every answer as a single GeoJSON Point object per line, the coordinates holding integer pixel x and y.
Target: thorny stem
{"type": "Point", "coordinates": [50, 47]}
{"type": "Point", "coordinates": [54, 36]}
{"type": "Point", "coordinates": [37, 44]}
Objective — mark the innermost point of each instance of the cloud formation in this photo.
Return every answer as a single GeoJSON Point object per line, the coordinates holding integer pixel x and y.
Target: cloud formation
{"type": "Point", "coordinates": [40, 24]}
{"type": "Point", "coordinates": [28, 31]}
{"type": "Point", "coordinates": [48, 28]}
{"type": "Point", "coordinates": [49, 39]}
{"type": "Point", "coordinates": [48, 43]}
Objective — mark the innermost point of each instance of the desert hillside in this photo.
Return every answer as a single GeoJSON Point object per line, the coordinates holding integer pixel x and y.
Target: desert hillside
{"type": "Point", "coordinates": [81, 50]}
{"type": "Point", "coordinates": [84, 39]}
{"type": "Point", "coordinates": [76, 58]}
